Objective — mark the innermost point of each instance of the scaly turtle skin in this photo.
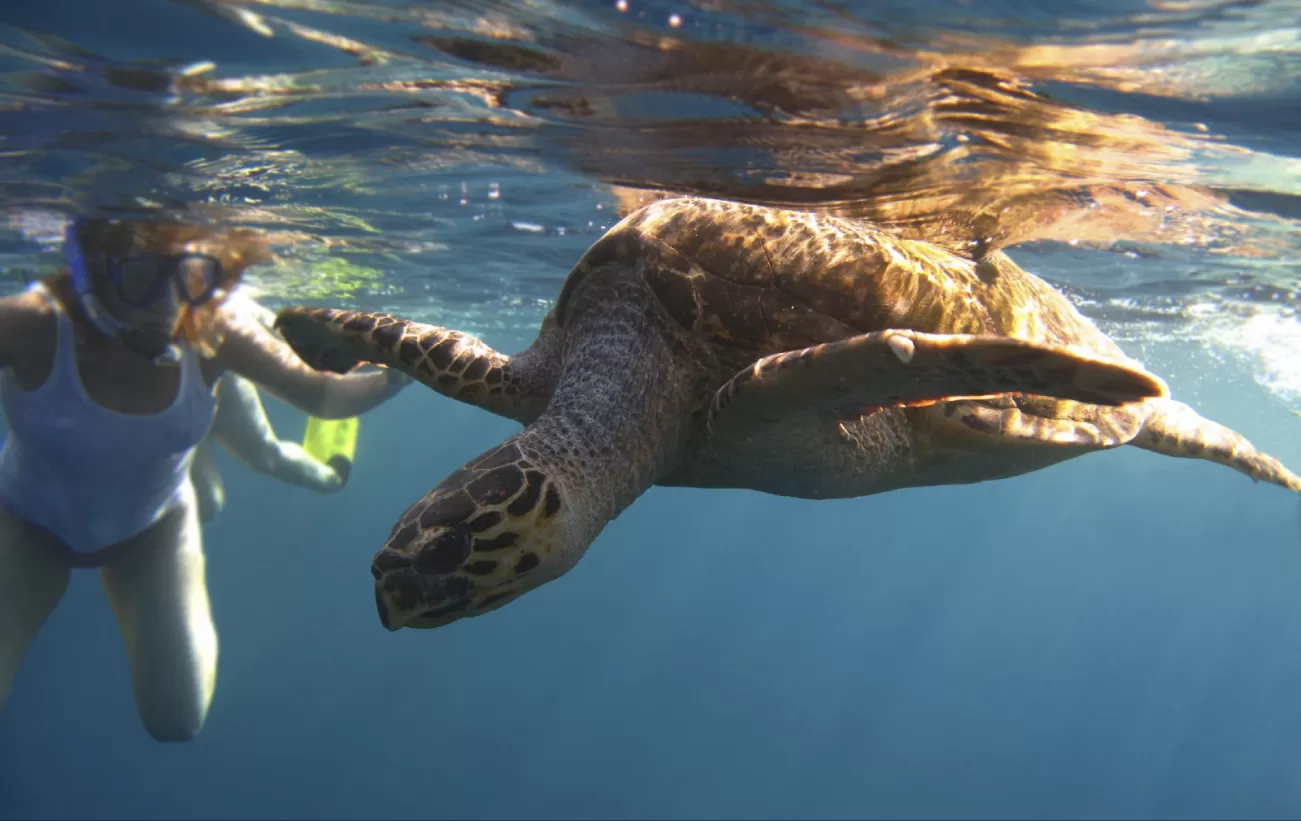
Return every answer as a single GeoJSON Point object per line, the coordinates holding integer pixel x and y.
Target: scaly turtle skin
{"type": "Point", "coordinates": [712, 344]}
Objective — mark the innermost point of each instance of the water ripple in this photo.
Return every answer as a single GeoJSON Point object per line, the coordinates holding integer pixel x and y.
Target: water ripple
{"type": "Point", "coordinates": [457, 157]}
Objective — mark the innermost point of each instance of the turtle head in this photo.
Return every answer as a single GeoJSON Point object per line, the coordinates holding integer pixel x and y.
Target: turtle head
{"type": "Point", "coordinates": [486, 535]}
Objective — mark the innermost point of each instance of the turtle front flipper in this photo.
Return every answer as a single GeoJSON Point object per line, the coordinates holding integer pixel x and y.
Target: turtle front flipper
{"type": "Point", "coordinates": [452, 363]}
{"type": "Point", "coordinates": [525, 512]}
{"type": "Point", "coordinates": [902, 367]}
{"type": "Point", "coordinates": [1175, 429]}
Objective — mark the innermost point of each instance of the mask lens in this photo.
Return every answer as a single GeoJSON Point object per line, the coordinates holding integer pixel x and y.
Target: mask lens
{"type": "Point", "coordinates": [197, 276]}
{"type": "Point", "coordinates": [141, 278]}
{"type": "Point", "coordinates": [137, 279]}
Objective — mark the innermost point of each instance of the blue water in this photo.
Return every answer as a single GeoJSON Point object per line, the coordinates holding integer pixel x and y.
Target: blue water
{"type": "Point", "coordinates": [1116, 637]}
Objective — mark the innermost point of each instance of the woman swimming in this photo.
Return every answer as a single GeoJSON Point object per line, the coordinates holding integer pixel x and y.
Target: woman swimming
{"type": "Point", "coordinates": [108, 381]}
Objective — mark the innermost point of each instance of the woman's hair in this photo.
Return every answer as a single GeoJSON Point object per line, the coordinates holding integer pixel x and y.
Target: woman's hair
{"type": "Point", "coordinates": [235, 248]}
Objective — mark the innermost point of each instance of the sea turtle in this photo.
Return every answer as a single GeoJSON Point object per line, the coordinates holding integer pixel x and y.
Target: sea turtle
{"type": "Point", "coordinates": [713, 344]}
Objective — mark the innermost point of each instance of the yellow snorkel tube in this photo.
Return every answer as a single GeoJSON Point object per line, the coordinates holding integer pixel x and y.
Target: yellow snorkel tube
{"type": "Point", "coordinates": [333, 441]}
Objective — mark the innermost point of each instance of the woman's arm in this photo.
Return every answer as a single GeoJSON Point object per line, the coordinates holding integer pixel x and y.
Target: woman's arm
{"type": "Point", "coordinates": [243, 429]}
{"type": "Point", "coordinates": [253, 352]}
{"type": "Point", "coordinates": [25, 338]}
{"type": "Point", "coordinates": [12, 325]}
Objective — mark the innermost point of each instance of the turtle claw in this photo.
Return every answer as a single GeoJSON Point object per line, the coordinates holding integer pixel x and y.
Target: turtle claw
{"type": "Point", "coordinates": [314, 343]}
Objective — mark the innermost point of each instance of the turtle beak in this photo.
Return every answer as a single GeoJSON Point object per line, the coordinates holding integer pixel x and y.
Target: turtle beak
{"type": "Point", "coordinates": [405, 597]}
{"type": "Point", "coordinates": [381, 604]}
{"type": "Point", "coordinates": [397, 588]}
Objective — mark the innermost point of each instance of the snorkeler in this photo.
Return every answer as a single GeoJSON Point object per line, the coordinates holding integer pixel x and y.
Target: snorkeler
{"type": "Point", "coordinates": [108, 379]}
{"type": "Point", "coordinates": [242, 428]}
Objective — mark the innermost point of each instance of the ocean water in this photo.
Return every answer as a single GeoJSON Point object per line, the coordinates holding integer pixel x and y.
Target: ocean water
{"type": "Point", "coordinates": [1118, 636]}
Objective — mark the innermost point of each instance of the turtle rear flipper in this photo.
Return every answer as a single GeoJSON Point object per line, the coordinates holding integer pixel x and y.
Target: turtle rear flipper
{"type": "Point", "coordinates": [901, 367]}
{"type": "Point", "coordinates": [1175, 429]}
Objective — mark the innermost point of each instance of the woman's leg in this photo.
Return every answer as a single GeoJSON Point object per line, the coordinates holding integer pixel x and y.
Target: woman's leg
{"type": "Point", "coordinates": [209, 488]}
{"type": "Point", "coordinates": [158, 588]}
{"type": "Point", "coordinates": [33, 575]}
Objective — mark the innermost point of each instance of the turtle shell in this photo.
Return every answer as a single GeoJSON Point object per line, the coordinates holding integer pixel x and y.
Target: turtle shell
{"type": "Point", "coordinates": [765, 280]}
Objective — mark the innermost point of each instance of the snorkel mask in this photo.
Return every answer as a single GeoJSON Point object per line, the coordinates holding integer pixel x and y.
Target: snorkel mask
{"type": "Point", "coordinates": [140, 280]}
